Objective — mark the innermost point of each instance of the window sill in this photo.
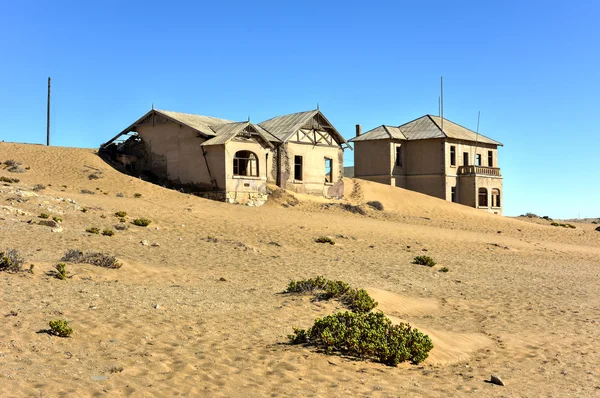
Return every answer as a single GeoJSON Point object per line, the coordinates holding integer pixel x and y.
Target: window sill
{"type": "Point", "coordinates": [298, 182]}
{"type": "Point", "coordinates": [247, 177]}
{"type": "Point", "coordinates": [453, 166]}
{"type": "Point", "coordinates": [329, 184]}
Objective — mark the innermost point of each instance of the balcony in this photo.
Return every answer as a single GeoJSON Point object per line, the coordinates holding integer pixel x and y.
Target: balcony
{"type": "Point", "coordinates": [478, 171]}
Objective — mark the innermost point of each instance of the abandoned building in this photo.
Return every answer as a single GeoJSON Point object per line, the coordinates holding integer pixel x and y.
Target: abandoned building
{"type": "Point", "coordinates": [233, 161]}
{"type": "Point", "coordinates": [433, 156]}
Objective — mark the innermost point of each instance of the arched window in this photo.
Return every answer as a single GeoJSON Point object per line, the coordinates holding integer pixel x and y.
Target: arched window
{"type": "Point", "coordinates": [483, 197]}
{"type": "Point", "coordinates": [245, 163]}
{"type": "Point", "coordinates": [496, 197]}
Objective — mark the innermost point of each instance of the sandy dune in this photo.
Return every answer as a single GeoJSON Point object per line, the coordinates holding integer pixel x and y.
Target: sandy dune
{"type": "Point", "coordinates": [520, 299]}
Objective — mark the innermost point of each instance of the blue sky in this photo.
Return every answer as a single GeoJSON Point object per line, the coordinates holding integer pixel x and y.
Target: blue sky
{"type": "Point", "coordinates": [530, 67]}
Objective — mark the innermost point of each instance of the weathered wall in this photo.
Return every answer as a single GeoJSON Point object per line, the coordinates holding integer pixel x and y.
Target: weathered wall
{"type": "Point", "coordinates": [433, 185]}
{"type": "Point", "coordinates": [247, 189]}
{"type": "Point", "coordinates": [490, 183]}
{"type": "Point", "coordinates": [372, 160]}
{"type": "Point", "coordinates": [424, 157]}
{"type": "Point", "coordinates": [174, 153]}
{"type": "Point", "coordinates": [313, 181]}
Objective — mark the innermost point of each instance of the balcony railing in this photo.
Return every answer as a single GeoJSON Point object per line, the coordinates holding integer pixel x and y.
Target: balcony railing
{"type": "Point", "coordinates": [478, 170]}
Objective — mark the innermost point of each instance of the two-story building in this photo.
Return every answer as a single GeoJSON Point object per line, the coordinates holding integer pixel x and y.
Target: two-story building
{"type": "Point", "coordinates": [435, 157]}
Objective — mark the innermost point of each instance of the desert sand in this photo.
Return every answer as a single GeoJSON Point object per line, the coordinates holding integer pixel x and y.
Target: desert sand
{"type": "Point", "coordinates": [202, 313]}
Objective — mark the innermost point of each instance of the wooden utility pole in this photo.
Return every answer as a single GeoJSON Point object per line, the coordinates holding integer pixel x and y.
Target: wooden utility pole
{"type": "Point", "coordinates": [48, 117]}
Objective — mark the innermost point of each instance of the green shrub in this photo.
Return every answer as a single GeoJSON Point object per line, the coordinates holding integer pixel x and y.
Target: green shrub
{"type": "Point", "coordinates": [44, 215]}
{"type": "Point", "coordinates": [31, 268]}
{"type": "Point", "coordinates": [424, 260]}
{"type": "Point", "coordinates": [356, 299]}
{"type": "Point", "coordinates": [122, 219]}
{"type": "Point", "coordinates": [141, 222]}
{"type": "Point", "coordinates": [325, 239]}
{"type": "Point", "coordinates": [121, 214]}
{"type": "Point", "coordinates": [84, 210]}
{"type": "Point", "coordinates": [11, 261]}
{"type": "Point", "coordinates": [137, 195]}
{"type": "Point", "coordinates": [61, 271]}
{"type": "Point", "coordinates": [444, 269]}
{"type": "Point", "coordinates": [57, 219]}
{"type": "Point", "coordinates": [10, 180]}
{"type": "Point", "coordinates": [366, 336]}
{"type": "Point", "coordinates": [60, 328]}
{"type": "Point", "coordinates": [108, 232]}
{"type": "Point", "coordinates": [93, 230]}
{"type": "Point", "coordinates": [555, 224]}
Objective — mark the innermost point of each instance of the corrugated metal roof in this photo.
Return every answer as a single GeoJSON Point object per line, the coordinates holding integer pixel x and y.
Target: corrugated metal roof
{"type": "Point", "coordinates": [226, 132]}
{"type": "Point", "coordinates": [283, 127]}
{"type": "Point", "coordinates": [424, 128]}
{"type": "Point", "coordinates": [197, 122]}
{"type": "Point", "coordinates": [456, 131]}
{"type": "Point", "coordinates": [381, 133]}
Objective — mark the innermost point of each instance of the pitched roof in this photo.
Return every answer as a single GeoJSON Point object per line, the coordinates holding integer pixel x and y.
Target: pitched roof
{"type": "Point", "coordinates": [381, 133]}
{"type": "Point", "coordinates": [226, 132]}
{"type": "Point", "coordinates": [197, 122]}
{"type": "Point", "coordinates": [426, 127]}
{"type": "Point", "coordinates": [283, 127]}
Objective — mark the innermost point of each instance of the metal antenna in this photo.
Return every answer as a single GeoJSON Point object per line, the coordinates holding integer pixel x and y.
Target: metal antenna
{"type": "Point", "coordinates": [48, 117]}
{"type": "Point", "coordinates": [442, 100]}
{"type": "Point", "coordinates": [477, 136]}
{"type": "Point", "coordinates": [317, 106]}
{"type": "Point", "coordinates": [439, 105]}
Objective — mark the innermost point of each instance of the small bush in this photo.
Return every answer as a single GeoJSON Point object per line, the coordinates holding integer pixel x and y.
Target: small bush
{"type": "Point", "coordinates": [325, 239]}
{"type": "Point", "coordinates": [120, 195]}
{"type": "Point", "coordinates": [356, 299]}
{"type": "Point", "coordinates": [38, 187]}
{"type": "Point", "coordinates": [121, 214]}
{"type": "Point", "coordinates": [555, 224]}
{"type": "Point", "coordinates": [141, 222]}
{"type": "Point", "coordinates": [93, 176]}
{"type": "Point", "coordinates": [93, 258]}
{"type": "Point", "coordinates": [57, 219]}
{"type": "Point", "coordinates": [108, 232]}
{"type": "Point", "coordinates": [377, 205]}
{"type": "Point", "coordinates": [61, 271]}
{"type": "Point", "coordinates": [366, 336]}
{"type": "Point", "coordinates": [121, 227]}
{"type": "Point", "coordinates": [444, 269]}
{"type": "Point", "coordinates": [84, 210]}
{"type": "Point", "coordinates": [93, 230]}
{"type": "Point", "coordinates": [87, 192]}
{"type": "Point", "coordinates": [60, 328]}
{"type": "Point", "coordinates": [11, 163]}
{"type": "Point", "coordinates": [10, 180]}
{"type": "Point", "coordinates": [44, 215]}
{"type": "Point", "coordinates": [137, 195]}
{"type": "Point", "coordinates": [11, 261]}
{"type": "Point", "coordinates": [31, 268]}
{"type": "Point", "coordinates": [424, 260]}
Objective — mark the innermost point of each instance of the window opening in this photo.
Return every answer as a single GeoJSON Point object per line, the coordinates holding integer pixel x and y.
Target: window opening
{"type": "Point", "coordinates": [245, 163]}
{"type": "Point", "coordinates": [298, 168]}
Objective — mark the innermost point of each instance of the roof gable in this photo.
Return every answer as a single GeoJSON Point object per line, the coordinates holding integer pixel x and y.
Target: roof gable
{"type": "Point", "coordinates": [227, 132]}
{"type": "Point", "coordinates": [424, 128]}
{"type": "Point", "coordinates": [285, 126]}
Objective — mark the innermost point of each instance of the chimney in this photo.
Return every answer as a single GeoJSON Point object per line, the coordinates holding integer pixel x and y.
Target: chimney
{"type": "Point", "coordinates": [358, 130]}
